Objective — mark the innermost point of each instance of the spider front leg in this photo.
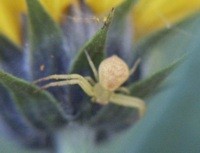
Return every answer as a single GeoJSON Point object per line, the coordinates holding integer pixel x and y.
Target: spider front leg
{"type": "Point", "coordinates": [90, 80]}
{"type": "Point", "coordinates": [128, 101]}
{"type": "Point", "coordinates": [64, 77]}
{"type": "Point", "coordinates": [70, 79]}
{"type": "Point", "coordinates": [59, 77]}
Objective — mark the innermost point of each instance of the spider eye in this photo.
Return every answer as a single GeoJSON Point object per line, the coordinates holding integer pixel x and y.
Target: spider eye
{"type": "Point", "coordinates": [113, 72]}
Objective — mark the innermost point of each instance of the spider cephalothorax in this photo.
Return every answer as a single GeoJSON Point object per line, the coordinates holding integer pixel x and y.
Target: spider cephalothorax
{"type": "Point", "coordinates": [112, 73]}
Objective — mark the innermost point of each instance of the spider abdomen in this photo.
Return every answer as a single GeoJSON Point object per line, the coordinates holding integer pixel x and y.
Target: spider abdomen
{"type": "Point", "coordinates": [113, 72]}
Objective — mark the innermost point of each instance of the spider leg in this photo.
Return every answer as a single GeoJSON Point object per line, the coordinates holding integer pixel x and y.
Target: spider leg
{"type": "Point", "coordinates": [123, 90]}
{"type": "Point", "coordinates": [136, 64]}
{"type": "Point", "coordinates": [129, 101]}
{"type": "Point", "coordinates": [94, 70]}
{"type": "Point", "coordinates": [59, 77]}
{"type": "Point", "coordinates": [87, 88]}
{"type": "Point", "coordinates": [90, 80]}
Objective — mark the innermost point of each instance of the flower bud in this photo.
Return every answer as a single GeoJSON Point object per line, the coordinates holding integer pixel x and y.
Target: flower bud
{"type": "Point", "coordinates": [113, 72]}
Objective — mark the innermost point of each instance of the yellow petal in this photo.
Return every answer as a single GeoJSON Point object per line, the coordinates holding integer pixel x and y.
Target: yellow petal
{"type": "Point", "coordinates": [10, 15]}
{"type": "Point", "coordinates": [102, 6]}
{"type": "Point", "coordinates": [10, 19]}
{"type": "Point", "coordinates": [152, 15]}
{"type": "Point", "coordinates": [56, 7]}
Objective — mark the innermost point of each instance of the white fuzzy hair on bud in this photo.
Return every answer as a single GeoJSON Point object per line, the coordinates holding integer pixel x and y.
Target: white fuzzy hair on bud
{"type": "Point", "coordinates": [113, 72]}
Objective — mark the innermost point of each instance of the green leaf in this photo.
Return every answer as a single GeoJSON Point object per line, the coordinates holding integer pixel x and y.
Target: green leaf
{"type": "Point", "coordinates": [94, 47]}
{"type": "Point", "coordinates": [39, 107]}
{"type": "Point", "coordinates": [148, 86]}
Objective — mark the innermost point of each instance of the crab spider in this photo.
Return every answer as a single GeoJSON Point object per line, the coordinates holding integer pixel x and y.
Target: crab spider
{"type": "Point", "coordinates": [112, 73]}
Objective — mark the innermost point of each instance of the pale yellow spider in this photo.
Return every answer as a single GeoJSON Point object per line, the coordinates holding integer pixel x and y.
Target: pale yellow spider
{"type": "Point", "coordinates": [112, 73]}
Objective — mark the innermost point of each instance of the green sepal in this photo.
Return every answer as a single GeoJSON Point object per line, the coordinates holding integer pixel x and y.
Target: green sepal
{"type": "Point", "coordinates": [94, 47]}
{"type": "Point", "coordinates": [45, 43]}
{"type": "Point", "coordinates": [123, 9]}
{"type": "Point", "coordinates": [42, 25]}
{"type": "Point", "coordinates": [39, 107]}
{"type": "Point", "coordinates": [148, 86]}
